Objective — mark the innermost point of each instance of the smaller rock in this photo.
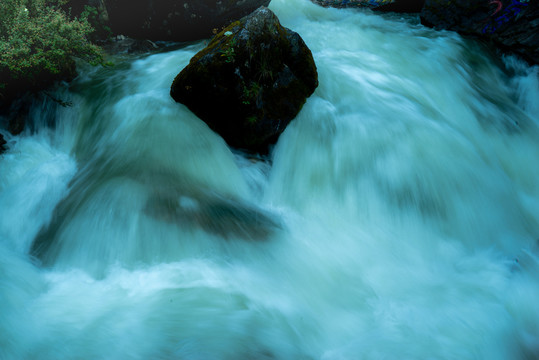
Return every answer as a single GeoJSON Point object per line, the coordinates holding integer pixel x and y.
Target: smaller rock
{"type": "Point", "coordinates": [250, 81]}
{"type": "Point", "coordinates": [2, 144]}
{"type": "Point", "coordinates": [124, 45]}
{"type": "Point", "coordinates": [14, 112]}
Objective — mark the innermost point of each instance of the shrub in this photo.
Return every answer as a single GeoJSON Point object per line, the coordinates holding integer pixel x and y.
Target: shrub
{"type": "Point", "coordinates": [92, 15]}
{"type": "Point", "coordinates": [38, 42]}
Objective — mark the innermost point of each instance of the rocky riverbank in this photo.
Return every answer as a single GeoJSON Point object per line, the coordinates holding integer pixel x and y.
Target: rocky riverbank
{"type": "Point", "coordinates": [509, 25]}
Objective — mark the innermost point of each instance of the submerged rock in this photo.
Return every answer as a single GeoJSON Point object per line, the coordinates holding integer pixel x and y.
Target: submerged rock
{"type": "Point", "coordinates": [175, 20]}
{"type": "Point", "coordinates": [510, 24]}
{"type": "Point", "coordinates": [250, 81]}
{"type": "Point", "coordinates": [224, 217]}
{"type": "Point", "coordinates": [378, 5]}
{"type": "Point", "coordinates": [165, 197]}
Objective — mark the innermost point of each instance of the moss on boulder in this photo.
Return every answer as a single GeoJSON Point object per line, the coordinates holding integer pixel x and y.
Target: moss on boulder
{"type": "Point", "coordinates": [250, 81]}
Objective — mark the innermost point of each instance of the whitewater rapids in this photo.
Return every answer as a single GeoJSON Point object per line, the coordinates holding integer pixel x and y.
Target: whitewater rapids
{"type": "Point", "coordinates": [396, 218]}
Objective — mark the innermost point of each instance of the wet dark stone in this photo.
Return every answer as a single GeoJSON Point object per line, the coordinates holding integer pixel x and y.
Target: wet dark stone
{"type": "Point", "coordinates": [249, 82]}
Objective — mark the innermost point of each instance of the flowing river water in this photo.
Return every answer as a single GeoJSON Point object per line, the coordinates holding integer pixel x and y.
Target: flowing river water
{"type": "Point", "coordinates": [396, 218]}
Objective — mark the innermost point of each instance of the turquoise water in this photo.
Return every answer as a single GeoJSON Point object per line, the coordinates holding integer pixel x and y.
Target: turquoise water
{"type": "Point", "coordinates": [396, 218]}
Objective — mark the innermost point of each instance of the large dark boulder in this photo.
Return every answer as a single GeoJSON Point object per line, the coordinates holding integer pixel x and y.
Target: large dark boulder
{"type": "Point", "coordinates": [250, 81]}
{"type": "Point", "coordinates": [409, 6]}
{"type": "Point", "coordinates": [510, 24]}
{"type": "Point", "coordinates": [176, 20]}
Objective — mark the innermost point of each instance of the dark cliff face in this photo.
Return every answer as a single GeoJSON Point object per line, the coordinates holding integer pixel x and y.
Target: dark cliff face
{"type": "Point", "coordinates": [250, 82]}
{"type": "Point", "coordinates": [176, 20]}
{"type": "Point", "coordinates": [510, 24]}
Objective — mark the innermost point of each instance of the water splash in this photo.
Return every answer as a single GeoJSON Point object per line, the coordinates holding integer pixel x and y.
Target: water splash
{"type": "Point", "coordinates": [402, 204]}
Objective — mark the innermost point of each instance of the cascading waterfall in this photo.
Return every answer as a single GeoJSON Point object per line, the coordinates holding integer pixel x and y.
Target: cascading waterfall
{"type": "Point", "coordinates": [396, 218]}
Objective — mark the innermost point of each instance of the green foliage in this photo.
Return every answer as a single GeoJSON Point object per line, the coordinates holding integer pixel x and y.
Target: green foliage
{"type": "Point", "coordinates": [90, 14]}
{"type": "Point", "coordinates": [251, 120]}
{"type": "Point", "coordinates": [229, 53]}
{"type": "Point", "coordinates": [38, 43]}
{"type": "Point", "coordinates": [249, 93]}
